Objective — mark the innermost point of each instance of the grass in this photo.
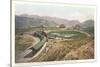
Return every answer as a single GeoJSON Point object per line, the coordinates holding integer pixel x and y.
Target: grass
{"type": "Point", "coordinates": [22, 42]}
{"type": "Point", "coordinates": [57, 48]}
{"type": "Point", "coordinates": [77, 34]}
{"type": "Point", "coordinates": [83, 52]}
{"type": "Point", "coordinates": [89, 30]}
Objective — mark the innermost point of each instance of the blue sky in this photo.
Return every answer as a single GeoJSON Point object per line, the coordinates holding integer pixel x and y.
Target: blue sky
{"type": "Point", "coordinates": [66, 12]}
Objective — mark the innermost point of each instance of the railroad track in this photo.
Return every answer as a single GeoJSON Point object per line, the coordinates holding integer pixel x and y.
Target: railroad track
{"type": "Point", "coordinates": [34, 50]}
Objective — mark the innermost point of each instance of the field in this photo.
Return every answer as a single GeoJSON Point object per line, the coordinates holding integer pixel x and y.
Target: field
{"type": "Point", "coordinates": [47, 33]}
{"type": "Point", "coordinates": [58, 48]}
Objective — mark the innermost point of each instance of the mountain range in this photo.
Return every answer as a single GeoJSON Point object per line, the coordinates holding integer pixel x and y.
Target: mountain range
{"type": "Point", "coordinates": [26, 21]}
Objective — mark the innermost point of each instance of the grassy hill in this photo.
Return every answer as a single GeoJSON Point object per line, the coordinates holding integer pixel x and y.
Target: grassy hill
{"type": "Point", "coordinates": [26, 21]}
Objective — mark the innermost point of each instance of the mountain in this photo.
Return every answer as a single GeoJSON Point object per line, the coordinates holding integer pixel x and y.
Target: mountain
{"type": "Point", "coordinates": [88, 23]}
{"type": "Point", "coordinates": [66, 22]}
{"type": "Point", "coordinates": [88, 26]}
{"type": "Point", "coordinates": [26, 21]}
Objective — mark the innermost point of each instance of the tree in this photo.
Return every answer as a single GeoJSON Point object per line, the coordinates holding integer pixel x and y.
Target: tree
{"type": "Point", "coordinates": [62, 26]}
{"type": "Point", "coordinates": [77, 27]}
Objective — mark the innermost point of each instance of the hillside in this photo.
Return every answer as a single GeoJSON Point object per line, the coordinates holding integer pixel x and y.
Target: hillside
{"type": "Point", "coordinates": [84, 52]}
{"type": "Point", "coordinates": [88, 23]}
{"type": "Point", "coordinates": [26, 21]}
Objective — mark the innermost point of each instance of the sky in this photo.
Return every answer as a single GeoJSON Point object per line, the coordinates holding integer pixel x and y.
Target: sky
{"type": "Point", "coordinates": [65, 11]}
